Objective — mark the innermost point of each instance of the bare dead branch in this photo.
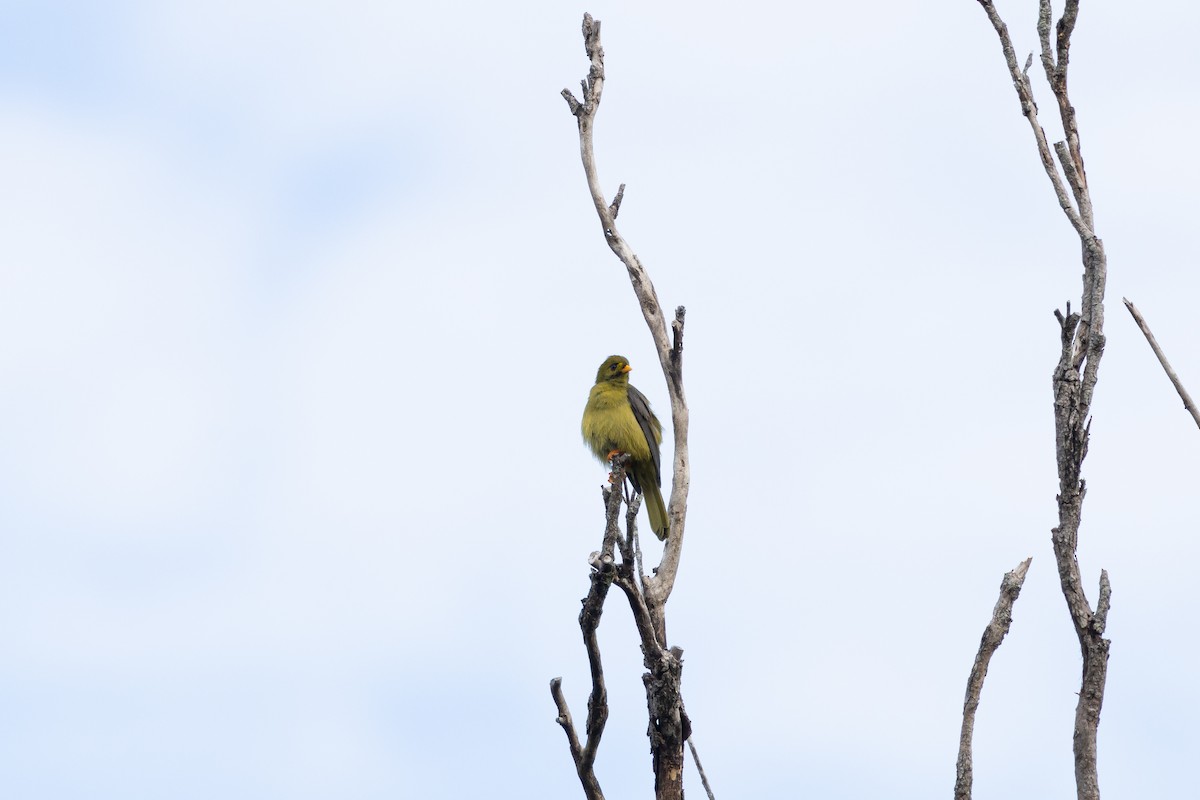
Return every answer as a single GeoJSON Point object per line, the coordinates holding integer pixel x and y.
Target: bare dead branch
{"type": "Point", "coordinates": [668, 730]}
{"type": "Point", "coordinates": [700, 768]}
{"type": "Point", "coordinates": [1030, 110]}
{"type": "Point", "coordinates": [615, 206]}
{"type": "Point", "coordinates": [604, 570]}
{"type": "Point", "coordinates": [677, 339]}
{"type": "Point", "coordinates": [659, 587]}
{"type": "Point", "coordinates": [1162, 359]}
{"type": "Point", "coordinates": [572, 103]}
{"type": "Point", "coordinates": [1065, 27]}
{"type": "Point", "coordinates": [669, 727]}
{"type": "Point", "coordinates": [993, 635]}
{"type": "Point", "coordinates": [1045, 15]}
{"type": "Point", "coordinates": [1056, 75]}
{"type": "Point", "coordinates": [1089, 342]}
{"type": "Point", "coordinates": [1074, 180]}
{"type": "Point", "coordinates": [1100, 620]}
{"type": "Point", "coordinates": [564, 717]}
{"type": "Point", "coordinates": [591, 788]}
{"type": "Point", "coordinates": [1075, 375]}
{"type": "Point", "coordinates": [626, 578]}
{"type": "Point", "coordinates": [631, 549]}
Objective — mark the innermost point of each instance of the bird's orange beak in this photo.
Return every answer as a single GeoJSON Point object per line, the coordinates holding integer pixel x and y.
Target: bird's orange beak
{"type": "Point", "coordinates": [626, 368]}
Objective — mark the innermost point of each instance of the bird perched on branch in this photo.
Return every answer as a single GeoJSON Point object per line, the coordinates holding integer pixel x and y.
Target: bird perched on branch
{"type": "Point", "coordinates": [618, 419]}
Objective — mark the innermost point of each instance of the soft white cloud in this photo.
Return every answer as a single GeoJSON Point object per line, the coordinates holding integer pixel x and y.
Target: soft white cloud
{"type": "Point", "coordinates": [299, 306]}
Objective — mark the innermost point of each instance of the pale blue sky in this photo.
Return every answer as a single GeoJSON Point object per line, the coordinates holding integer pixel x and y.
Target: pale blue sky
{"type": "Point", "coordinates": [299, 305]}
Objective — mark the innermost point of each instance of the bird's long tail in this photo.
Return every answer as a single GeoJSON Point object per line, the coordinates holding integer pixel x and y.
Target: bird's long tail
{"type": "Point", "coordinates": [658, 511]}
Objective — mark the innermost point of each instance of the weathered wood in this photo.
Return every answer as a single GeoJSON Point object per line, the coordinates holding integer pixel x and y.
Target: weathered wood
{"type": "Point", "coordinates": [1162, 359]}
{"type": "Point", "coordinates": [993, 635]}
{"type": "Point", "coordinates": [669, 726]}
{"type": "Point", "coordinates": [1075, 376]}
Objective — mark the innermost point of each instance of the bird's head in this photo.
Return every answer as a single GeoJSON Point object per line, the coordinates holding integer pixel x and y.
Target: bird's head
{"type": "Point", "coordinates": [615, 369]}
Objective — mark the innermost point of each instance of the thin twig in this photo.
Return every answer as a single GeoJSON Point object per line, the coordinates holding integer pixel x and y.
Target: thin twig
{"type": "Point", "coordinates": [1162, 359]}
{"type": "Point", "coordinates": [1029, 109]}
{"type": "Point", "coordinates": [993, 635]}
{"type": "Point", "coordinates": [700, 768]}
{"type": "Point", "coordinates": [604, 570]}
{"type": "Point", "coordinates": [627, 578]}
{"type": "Point", "coordinates": [564, 718]}
{"type": "Point", "coordinates": [632, 549]}
{"type": "Point", "coordinates": [591, 787]}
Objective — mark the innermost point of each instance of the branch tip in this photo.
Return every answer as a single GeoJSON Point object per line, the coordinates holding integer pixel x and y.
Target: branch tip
{"type": "Point", "coordinates": [700, 768]}
{"type": "Point", "coordinates": [1100, 621]}
{"type": "Point", "coordinates": [572, 103]}
{"type": "Point", "coordinates": [1188, 404]}
{"type": "Point", "coordinates": [993, 636]}
{"type": "Point", "coordinates": [614, 207]}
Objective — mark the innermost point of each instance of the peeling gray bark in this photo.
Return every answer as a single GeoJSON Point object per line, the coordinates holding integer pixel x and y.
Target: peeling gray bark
{"type": "Point", "coordinates": [993, 635]}
{"type": "Point", "coordinates": [1075, 375]}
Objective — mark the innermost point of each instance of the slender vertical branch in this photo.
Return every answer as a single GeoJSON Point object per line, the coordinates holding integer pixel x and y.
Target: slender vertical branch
{"type": "Point", "coordinates": [568, 726]}
{"type": "Point", "coordinates": [993, 635]}
{"type": "Point", "coordinates": [1075, 376]}
{"type": "Point", "coordinates": [604, 570]}
{"type": "Point", "coordinates": [1162, 359]}
{"type": "Point", "coordinates": [669, 726]}
{"type": "Point", "coordinates": [670, 354]}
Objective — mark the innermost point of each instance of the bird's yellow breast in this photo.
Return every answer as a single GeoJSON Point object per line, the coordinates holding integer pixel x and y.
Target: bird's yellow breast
{"type": "Point", "coordinates": [609, 424]}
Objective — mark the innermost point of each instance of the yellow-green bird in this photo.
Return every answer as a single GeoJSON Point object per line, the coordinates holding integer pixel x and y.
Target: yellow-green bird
{"type": "Point", "coordinates": [618, 419]}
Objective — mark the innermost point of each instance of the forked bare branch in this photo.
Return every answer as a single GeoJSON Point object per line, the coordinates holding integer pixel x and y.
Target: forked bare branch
{"type": "Point", "coordinates": [604, 570]}
{"type": "Point", "coordinates": [1074, 379]}
{"type": "Point", "coordinates": [670, 353]}
{"type": "Point", "coordinates": [669, 725]}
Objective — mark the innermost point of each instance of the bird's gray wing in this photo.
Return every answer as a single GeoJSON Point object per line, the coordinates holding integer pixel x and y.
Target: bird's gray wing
{"type": "Point", "coordinates": [650, 427]}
